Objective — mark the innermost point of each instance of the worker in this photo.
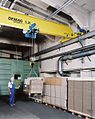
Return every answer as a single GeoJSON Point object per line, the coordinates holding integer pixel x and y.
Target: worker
{"type": "Point", "coordinates": [11, 89]}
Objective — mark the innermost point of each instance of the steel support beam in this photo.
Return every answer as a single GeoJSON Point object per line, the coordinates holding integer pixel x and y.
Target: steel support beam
{"type": "Point", "coordinates": [75, 40]}
{"type": "Point", "coordinates": [5, 52]}
{"type": "Point", "coordinates": [13, 42]}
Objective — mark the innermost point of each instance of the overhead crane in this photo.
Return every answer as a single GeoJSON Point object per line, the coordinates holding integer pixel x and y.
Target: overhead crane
{"type": "Point", "coordinates": [22, 21]}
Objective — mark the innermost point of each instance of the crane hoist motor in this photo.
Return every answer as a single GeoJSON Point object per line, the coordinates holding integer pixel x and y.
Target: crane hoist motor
{"type": "Point", "coordinates": [32, 32]}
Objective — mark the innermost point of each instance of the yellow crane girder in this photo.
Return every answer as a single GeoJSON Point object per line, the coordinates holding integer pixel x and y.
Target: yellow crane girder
{"type": "Point", "coordinates": [22, 21]}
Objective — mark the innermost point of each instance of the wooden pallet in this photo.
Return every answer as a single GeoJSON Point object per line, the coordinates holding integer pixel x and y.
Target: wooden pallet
{"type": "Point", "coordinates": [36, 99]}
{"type": "Point", "coordinates": [80, 114]}
{"type": "Point", "coordinates": [54, 106]}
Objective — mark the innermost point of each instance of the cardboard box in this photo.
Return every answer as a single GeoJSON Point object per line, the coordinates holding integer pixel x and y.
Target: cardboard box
{"type": "Point", "coordinates": [63, 103]}
{"type": "Point", "coordinates": [64, 91]}
{"type": "Point", "coordinates": [48, 100]}
{"type": "Point", "coordinates": [52, 100]}
{"type": "Point", "coordinates": [47, 90]}
{"type": "Point", "coordinates": [55, 91]}
{"type": "Point", "coordinates": [87, 97]}
{"type": "Point", "coordinates": [36, 86]}
{"type": "Point", "coordinates": [58, 91]}
{"type": "Point", "coordinates": [58, 102]}
{"type": "Point", "coordinates": [78, 96]}
{"type": "Point", "coordinates": [70, 95]}
{"type": "Point", "coordinates": [81, 96]}
{"type": "Point", "coordinates": [53, 81]}
{"type": "Point", "coordinates": [44, 99]}
{"type": "Point", "coordinates": [52, 90]}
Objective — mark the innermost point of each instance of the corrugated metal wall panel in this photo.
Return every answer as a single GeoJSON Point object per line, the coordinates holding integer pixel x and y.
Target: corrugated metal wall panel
{"type": "Point", "coordinates": [9, 67]}
{"type": "Point", "coordinates": [5, 74]}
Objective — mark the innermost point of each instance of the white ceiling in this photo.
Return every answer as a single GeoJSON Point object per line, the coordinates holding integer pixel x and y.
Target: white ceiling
{"type": "Point", "coordinates": [38, 3]}
{"type": "Point", "coordinates": [86, 4]}
{"type": "Point", "coordinates": [55, 3]}
{"type": "Point", "coordinates": [79, 10]}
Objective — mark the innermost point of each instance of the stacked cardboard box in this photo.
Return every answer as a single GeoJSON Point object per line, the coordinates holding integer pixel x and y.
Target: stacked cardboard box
{"type": "Point", "coordinates": [64, 93]}
{"type": "Point", "coordinates": [36, 86]}
{"type": "Point", "coordinates": [55, 91]}
{"type": "Point", "coordinates": [87, 97]}
{"type": "Point", "coordinates": [74, 96]}
{"type": "Point", "coordinates": [93, 98]}
{"type": "Point", "coordinates": [78, 96]}
{"type": "Point", "coordinates": [33, 85]}
{"type": "Point", "coordinates": [81, 96]}
{"type": "Point", "coordinates": [70, 95]}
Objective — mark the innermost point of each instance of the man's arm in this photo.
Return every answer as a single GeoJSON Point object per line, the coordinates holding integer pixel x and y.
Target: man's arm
{"type": "Point", "coordinates": [9, 90]}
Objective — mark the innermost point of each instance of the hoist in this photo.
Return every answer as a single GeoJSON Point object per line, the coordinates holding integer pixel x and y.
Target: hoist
{"type": "Point", "coordinates": [33, 30]}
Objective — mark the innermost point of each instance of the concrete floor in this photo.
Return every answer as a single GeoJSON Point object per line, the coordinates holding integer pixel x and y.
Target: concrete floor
{"type": "Point", "coordinates": [30, 110]}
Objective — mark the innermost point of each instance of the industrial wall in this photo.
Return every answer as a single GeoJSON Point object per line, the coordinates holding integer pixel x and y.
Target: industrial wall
{"type": "Point", "coordinates": [9, 67]}
{"type": "Point", "coordinates": [92, 21]}
{"type": "Point", "coordinates": [81, 64]}
{"type": "Point", "coordinates": [87, 63]}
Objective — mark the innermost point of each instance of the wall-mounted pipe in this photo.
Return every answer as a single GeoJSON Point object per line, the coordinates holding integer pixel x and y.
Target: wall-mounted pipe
{"type": "Point", "coordinates": [78, 50]}
{"type": "Point", "coordinates": [71, 57]}
{"type": "Point", "coordinates": [79, 55]}
{"type": "Point", "coordinates": [59, 66]}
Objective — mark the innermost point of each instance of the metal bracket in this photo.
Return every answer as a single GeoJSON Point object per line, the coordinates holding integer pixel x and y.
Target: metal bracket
{"type": "Point", "coordinates": [66, 62]}
{"type": "Point", "coordinates": [82, 60]}
{"type": "Point", "coordinates": [81, 42]}
{"type": "Point", "coordinates": [89, 58]}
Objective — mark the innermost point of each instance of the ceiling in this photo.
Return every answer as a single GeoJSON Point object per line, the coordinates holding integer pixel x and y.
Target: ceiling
{"type": "Point", "coordinates": [40, 8]}
{"type": "Point", "coordinates": [43, 9]}
{"type": "Point", "coordinates": [86, 4]}
{"type": "Point", "coordinates": [19, 5]}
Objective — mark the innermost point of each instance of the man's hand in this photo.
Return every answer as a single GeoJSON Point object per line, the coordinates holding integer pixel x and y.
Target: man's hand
{"type": "Point", "coordinates": [10, 93]}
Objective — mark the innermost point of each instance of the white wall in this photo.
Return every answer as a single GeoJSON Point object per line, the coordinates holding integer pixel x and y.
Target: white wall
{"type": "Point", "coordinates": [51, 64]}
{"type": "Point", "coordinates": [92, 20]}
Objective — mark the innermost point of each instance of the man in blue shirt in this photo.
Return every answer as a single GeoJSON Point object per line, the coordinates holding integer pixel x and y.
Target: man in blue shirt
{"type": "Point", "coordinates": [11, 89]}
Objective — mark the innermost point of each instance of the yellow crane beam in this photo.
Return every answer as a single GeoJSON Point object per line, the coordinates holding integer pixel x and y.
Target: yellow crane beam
{"type": "Point", "coordinates": [22, 21]}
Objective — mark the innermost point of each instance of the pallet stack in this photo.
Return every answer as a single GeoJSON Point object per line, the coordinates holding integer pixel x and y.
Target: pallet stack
{"type": "Point", "coordinates": [55, 91]}
{"type": "Point", "coordinates": [36, 86]}
{"type": "Point", "coordinates": [81, 96]}
{"type": "Point", "coordinates": [76, 95]}
{"type": "Point", "coordinates": [93, 99]}
{"type": "Point", "coordinates": [33, 85]}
